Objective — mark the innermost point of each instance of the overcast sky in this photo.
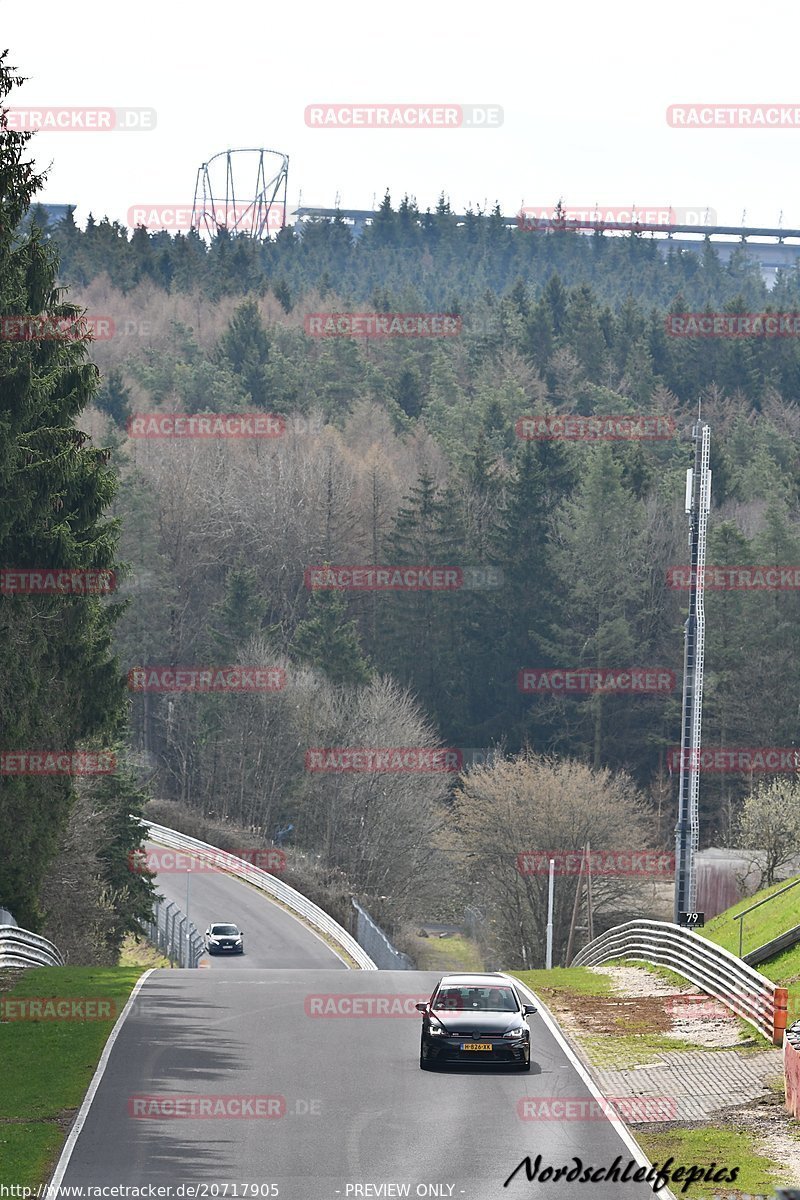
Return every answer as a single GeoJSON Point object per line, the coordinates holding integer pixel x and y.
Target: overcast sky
{"type": "Point", "coordinates": [584, 90]}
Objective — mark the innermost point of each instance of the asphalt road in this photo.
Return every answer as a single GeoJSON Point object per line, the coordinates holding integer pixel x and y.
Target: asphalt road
{"type": "Point", "coordinates": [351, 1110]}
{"type": "Point", "coordinates": [272, 936]}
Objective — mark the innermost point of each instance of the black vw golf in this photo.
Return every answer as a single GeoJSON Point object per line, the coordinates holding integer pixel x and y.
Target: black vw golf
{"type": "Point", "coordinates": [475, 1018]}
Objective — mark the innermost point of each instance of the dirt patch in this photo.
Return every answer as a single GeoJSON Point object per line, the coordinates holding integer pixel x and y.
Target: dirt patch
{"type": "Point", "coordinates": [685, 1014]}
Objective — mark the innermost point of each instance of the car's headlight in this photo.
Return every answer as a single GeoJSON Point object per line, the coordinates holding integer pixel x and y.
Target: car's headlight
{"type": "Point", "coordinates": [239, 938]}
{"type": "Point", "coordinates": [437, 1031]}
{"type": "Point", "coordinates": [213, 939]}
{"type": "Point", "coordinates": [516, 1033]}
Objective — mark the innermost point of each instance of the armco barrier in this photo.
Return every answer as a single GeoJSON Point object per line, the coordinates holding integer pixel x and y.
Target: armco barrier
{"type": "Point", "coordinates": [300, 905]}
{"type": "Point", "coordinates": [724, 976]}
{"type": "Point", "coordinates": [791, 1069]}
{"type": "Point", "coordinates": [19, 948]}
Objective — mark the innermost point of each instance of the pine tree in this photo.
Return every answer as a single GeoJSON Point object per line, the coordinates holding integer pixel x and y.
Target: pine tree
{"type": "Point", "coordinates": [113, 397]}
{"type": "Point", "coordinates": [327, 641]}
{"type": "Point", "coordinates": [244, 346]}
{"type": "Point", "coordinates": [60, 687]}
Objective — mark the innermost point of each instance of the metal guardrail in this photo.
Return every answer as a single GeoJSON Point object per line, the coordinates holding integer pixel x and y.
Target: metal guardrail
{"type": "Point", "coordinates": [741, 916]}
{"type": "Point", "coordinates": [372, 938]}
{"type": "Point", "coordinates": [168, 931]}
{"type": "Point", "coordinates": [297, 903]}
{"type": "Point", "coordinates": [761, 953]}
{"type": "Point", "coordinates": [721, 974]}
{"type": "Point", "coordinates": [19, 948]}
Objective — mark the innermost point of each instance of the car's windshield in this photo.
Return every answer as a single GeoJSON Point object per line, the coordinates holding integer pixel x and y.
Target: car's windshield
{"type": "Point", "coordinates": [481, 999]}
{"type": "Point", "coordinates": [225, 930]}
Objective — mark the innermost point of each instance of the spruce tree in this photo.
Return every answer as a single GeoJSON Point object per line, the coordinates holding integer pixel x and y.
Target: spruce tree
{"type": "Point", "coordinates": [60, 687]}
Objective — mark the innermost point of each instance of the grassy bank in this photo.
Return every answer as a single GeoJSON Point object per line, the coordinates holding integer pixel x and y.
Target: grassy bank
{"type": "Point", "coordinates": [47, 1064]}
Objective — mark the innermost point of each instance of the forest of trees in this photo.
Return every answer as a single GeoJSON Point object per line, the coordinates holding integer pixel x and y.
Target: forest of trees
{"type": "Point", "coordinates": [405, 451]}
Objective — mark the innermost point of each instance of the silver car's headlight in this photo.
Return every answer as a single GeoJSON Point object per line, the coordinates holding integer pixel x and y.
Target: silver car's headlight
{"type": "Point", "coordinates": [516, 1033]}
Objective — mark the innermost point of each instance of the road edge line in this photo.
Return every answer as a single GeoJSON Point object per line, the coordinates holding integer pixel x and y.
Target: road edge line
{"type": "Point", "coordinates": [622, 1130]}
{"type": "Point", "coordinates": [83, 1111]}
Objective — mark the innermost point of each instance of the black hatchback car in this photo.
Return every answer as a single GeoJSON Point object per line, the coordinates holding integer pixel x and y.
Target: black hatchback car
{"type": "Point", "coordinates": [476, 1019]}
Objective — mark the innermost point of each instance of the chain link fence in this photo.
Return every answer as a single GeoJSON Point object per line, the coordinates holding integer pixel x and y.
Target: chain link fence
{"type": "Point", "coordinates": [372, 939]}
{"type": "Point", "coordinates": [168, 931]}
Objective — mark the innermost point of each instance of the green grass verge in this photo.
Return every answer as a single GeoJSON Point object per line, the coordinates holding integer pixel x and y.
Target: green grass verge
{"type": "Point", "coordinates": [138, 952]}
{"type": "Point", "coordinates": [47, 1065]}
{"type": "Point", "coordinates": [581, 981]}
{"type": "Point", "coordinates": [447, 954]}
{"type": "Point", "coordinates": [760, 926]}
{"type": "Point", "coordinates": [726, 1147]}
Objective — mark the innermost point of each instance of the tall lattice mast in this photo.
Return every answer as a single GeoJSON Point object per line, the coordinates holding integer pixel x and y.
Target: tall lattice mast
{"type": "Point", "coordinates": [698, 504]}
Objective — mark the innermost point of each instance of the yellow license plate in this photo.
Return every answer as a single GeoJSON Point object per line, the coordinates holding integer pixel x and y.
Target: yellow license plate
{"type": "Point", "coordinates": [476, 1045]}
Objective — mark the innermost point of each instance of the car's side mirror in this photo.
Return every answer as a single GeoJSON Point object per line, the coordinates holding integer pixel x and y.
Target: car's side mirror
{"type": "Point", "coordinates": [421, 1007]}
{"type": "Point", "coordinates": [207, 933]}
{"type": "Point", "coordinates": [528, 1009]}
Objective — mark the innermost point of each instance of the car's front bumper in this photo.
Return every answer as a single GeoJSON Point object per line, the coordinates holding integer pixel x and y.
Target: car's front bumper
{"type": "Point", "coordinates": [449, 1049]}
{"type": "Point", "coordinates": [226, 948]}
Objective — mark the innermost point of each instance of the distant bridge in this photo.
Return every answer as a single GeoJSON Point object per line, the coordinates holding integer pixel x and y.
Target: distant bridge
{"type": "Point", "coordinates": [773, 249]}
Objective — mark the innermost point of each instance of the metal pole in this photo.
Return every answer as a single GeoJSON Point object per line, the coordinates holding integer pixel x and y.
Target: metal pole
{"type": "Point", "coordinates": [698, 502]}
{"type": "Point", "coordinates": [549, 961]}
{"type": "Point", "coordinates": [578, 890]}
{"type": "Point", "coordinates": [188, 944]}
{"type": "Point", "coordinates": [589, 902]}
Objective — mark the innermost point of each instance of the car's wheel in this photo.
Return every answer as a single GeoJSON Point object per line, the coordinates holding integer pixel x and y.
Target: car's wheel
{"type": "Point", "coordinates": [425, 1062]}
{"type": "Point", "coordinates": [241, 949]}
{"type": "Point", "coordinates": [526, 1065]}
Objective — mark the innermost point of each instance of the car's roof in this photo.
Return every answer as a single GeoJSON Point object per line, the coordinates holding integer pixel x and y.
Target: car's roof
{"type": "Point", "coordinates": [472, 980]}
{"type": "Point", "coordinates": [213, 923]}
